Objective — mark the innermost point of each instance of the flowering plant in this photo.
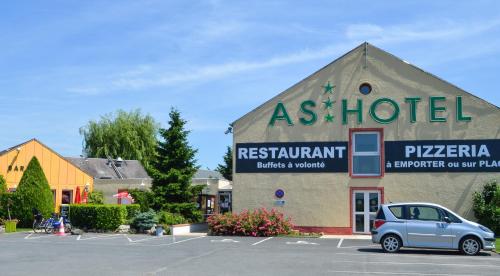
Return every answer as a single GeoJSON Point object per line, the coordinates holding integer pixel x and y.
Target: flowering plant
{"type": "Point", "coordinates": [258, 223]}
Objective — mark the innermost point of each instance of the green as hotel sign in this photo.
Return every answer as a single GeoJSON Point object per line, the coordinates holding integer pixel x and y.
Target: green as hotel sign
{"type": "Point", "coordinates": [309, 114]}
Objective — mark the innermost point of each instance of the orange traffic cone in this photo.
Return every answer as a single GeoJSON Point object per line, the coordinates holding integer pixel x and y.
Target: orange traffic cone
{"type": "Point", "coordinates": [61, 228]}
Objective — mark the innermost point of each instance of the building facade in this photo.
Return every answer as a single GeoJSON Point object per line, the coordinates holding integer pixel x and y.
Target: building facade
{"type": "Point", "coordinates": [62, 175]}
{"type": "Point", "coordinates": [114, 176]}
{"type": "Point", "coordinates": [366, 129]}
{"type": "Point", "coordinates": [216, 196]}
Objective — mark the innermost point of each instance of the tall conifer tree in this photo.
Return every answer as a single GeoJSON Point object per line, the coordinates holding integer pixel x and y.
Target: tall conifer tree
{"type": "Point", "coordinates": [173, 169]}
{"type": "Point", "coordinates": [226, 168]}
{"type": "Point", "coordinates": [33, 191]}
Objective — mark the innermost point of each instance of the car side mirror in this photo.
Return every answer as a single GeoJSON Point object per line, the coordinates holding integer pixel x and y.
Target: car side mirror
{"type": "Point", "coordinates": [447, 219]}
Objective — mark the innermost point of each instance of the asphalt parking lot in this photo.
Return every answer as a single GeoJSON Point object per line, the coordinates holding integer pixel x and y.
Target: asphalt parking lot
{"type": "Point", "coordinates": [119, 254]}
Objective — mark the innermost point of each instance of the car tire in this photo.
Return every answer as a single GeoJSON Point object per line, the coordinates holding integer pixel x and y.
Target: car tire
{"type": "Point", "coordinates": [391, 243]}
{"type": "Point", "coordinates": [470, 246]}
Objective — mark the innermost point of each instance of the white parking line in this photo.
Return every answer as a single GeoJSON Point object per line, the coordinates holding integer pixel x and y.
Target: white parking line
{"type": "Point", "coordinates": [224, 241]}
{"type": "Point", "coordinates": [430, 264]}
{"type": "Point", "coordinates": [340, 243]}
{"type": "Point", "coordinates": [190, 239]}
{"type": "Point", "coordinates": [302, 243]}
{"type": "Point", "coordinates": [261, 241]}
{"type": "Point", "coordinates": [359, 246]}
{"type": "Point", "coordinates": [79, 238]}
{"type": "Point", "coordinates": [396, 273]}
{"type": "Point", "coordinates": [476, 258]}
{"type": "Point", "coordinates": [29, 237]}
{"type": "Point", "coordinates": [145, 239]}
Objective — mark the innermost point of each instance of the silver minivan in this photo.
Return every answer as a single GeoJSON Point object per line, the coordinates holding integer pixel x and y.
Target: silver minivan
{"type": "Point", "coordinates": [428, 225]}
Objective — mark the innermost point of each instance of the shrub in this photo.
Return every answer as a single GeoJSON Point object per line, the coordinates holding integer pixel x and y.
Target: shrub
{"type": "Point", "coordinates": [98, 216]}
{"type": "Point", "coordinates": [33, 191]}
{"type": "Point", "coordinates": [132, 210]}
{"type": "Point", "coordinates": [188, 210]}
{"type": "Point", "coordinates": [167, 218]}
{"type": "Point", "coordinates": [259, 223]}
{"type": "Point", "coordinates": [143, 198]}
{"type": "Point", "coordinates": [144, 221]}
{"type": "Point", "coordinates": [486, 206]}
{"type": "Point", "coordinates": [95, 197]}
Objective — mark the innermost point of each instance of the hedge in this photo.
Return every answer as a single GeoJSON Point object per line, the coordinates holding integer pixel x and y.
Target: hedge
{"type": "Point", "coordinates": [100, 216]}
{"type": "Point", "coordinates": [132, 210]}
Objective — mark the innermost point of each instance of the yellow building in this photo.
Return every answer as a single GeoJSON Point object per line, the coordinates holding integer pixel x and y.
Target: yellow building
{"type": "Point", "coordinates": [63, 176]}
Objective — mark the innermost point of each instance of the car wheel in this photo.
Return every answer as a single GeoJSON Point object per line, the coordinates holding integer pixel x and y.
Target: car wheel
{"type": "Point", "coordinates": [391, 243]}
{"type": "Point", "coordinates": [470, 246]}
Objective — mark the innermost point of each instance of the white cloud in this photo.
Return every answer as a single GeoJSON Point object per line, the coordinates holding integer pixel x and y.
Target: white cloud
{"type": "Point", "coordinates": [420, 31]}
{"type": "Point", "coordinates": [148, 76]}
{"type": "Point", "coordinates": [137, 79]}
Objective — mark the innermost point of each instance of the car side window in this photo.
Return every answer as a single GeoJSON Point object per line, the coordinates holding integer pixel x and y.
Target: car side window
{"type": "Point", "coordinates": [397, 211]}
{"type": "Point", "coordinates": [452, 217]}
{"type": "Point", "coordinates": [424, 213]}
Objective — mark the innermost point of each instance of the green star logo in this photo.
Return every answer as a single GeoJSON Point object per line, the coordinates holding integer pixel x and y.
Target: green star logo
{"type": "Point", "coordinates": [328, 103]}
{"type": "Point", "coordinates": [328, 118]}
{"type": "Point", "coordinates": [328, 88]}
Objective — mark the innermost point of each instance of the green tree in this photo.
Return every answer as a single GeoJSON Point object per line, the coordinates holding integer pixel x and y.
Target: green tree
{"type": "Point", "coordinates": [486, 206]}
{"type": "Point", "coordinates": [95, 197]}
{"type": "Point", "coordinates": [173, 169]}
{"type": "Point", "coordinates": [144, 198]}
{"type": "Point", "coordinates": [226, 168]}
{"type": "Point", "coordinates": [33, 191]}
{"type": "Point", "coordinates": [3, 197]}
{"type": "Point", "coordinates": [3, 185]}
{"type": "Point", "coordinates": [129, 135]}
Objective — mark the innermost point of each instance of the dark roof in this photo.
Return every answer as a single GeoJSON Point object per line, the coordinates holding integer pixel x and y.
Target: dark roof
{"type": "Point", "coordinates": [102, 168]}
{"type": "Point", "coordinates": [204, 174]}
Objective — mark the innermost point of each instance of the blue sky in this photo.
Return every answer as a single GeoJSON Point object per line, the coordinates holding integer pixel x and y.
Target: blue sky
{"type": "Point", "coordinates": [63, 63]}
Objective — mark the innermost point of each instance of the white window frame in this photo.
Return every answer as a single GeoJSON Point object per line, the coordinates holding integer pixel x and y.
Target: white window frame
{"type": "Point", "coordinates": [371, 153]}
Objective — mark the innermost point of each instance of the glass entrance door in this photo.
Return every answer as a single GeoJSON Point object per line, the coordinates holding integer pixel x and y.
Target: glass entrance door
{"type": "Point", "coordinates": [365, 206]}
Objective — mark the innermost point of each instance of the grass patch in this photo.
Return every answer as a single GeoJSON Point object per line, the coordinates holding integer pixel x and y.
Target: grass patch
{"type": "Point", "coordinates": [497, 245]}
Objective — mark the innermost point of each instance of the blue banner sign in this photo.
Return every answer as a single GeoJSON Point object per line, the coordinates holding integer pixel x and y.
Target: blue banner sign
{"type": "Point", "coordinates": [442, 156]}
{"type": "Point", "coordinates": [399, 156]}
{"type": "Point", "coordinates": [291, 157]}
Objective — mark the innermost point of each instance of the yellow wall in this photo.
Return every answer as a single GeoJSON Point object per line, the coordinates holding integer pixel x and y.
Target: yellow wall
{"type": "Point", "coordinates": [61, 174]}
{"type": "Point", "coordinates": [323, 199]}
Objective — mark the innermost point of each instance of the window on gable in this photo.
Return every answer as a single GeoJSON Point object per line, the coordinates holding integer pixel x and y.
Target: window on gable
{"type": "Point", "coordinates": [366, 157]}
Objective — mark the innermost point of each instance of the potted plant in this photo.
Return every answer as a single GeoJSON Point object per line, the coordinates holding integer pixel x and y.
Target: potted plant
{"type": "Point", "coordinates": [10, 224]}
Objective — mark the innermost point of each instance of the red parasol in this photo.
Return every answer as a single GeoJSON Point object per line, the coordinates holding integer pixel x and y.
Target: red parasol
{"type": "Point", "coordinates": [124, 195]}
{"type": "Point", "coordinates": [78, 198]}
{"type": "Point", "coordinates": [85, 195]}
